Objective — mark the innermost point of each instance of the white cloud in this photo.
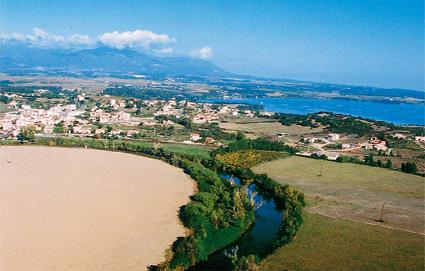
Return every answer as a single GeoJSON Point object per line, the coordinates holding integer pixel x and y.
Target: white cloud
{"type": "Point", "coordinates": [135, 39]}
{"type": "Point", "coordinates": [138, 39]}
{"type": "Point", "coordinates": [205, 52]}
{"type": "Point", "coordinates": [42, 38]}
{"type": "Point", "coordinates": [38, 32]}
{"type": "Point", "coordinates": [165, 51]}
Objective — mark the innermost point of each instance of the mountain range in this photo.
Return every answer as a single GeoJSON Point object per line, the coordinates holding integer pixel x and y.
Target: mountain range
{"type": "Point", "coordinates": [16, 59]}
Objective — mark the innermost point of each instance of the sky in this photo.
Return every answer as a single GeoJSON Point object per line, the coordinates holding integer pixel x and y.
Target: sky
{"type": "Point", "coordinates": [359, 42]}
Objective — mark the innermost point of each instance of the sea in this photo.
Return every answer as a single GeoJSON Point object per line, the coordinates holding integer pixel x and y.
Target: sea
{"type": "Point", "coordinates": [397, 113]}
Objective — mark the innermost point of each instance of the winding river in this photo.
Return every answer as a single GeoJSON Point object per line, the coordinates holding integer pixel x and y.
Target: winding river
{"type": "Point", "coordinates": [259, 239]}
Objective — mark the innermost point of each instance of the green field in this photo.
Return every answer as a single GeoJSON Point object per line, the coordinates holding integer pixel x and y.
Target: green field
{"type": "Point", "coordinates": [198, 150]}
{"type": "Point", "coordinates": [324, 243]}
{"type": "Point", "coordinates": [353, 191]}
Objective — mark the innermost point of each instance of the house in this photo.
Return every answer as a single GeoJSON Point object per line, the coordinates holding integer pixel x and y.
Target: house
{"type": "Point", "coordinates": [132, 132]}
{"type": "Point", "coordinates": [167, 122]}
{"type": "Point", "coordinates": [48, 129]}
{"type": "Point", "coordinates": [333, 137]}
{"type": "Point", "coordinates": [333, 156]}
{"type": "Point", "coordinates": [209, 140]}
{"type": "Point", "coordinates": [267, 114]}
{"type": "Point", "coordinates": [117, 132]}
{"type": "Point", "coordinates": [81, 130]}
{"type": "Point", "coordinates": [195, 137]}
{"type": "Point", "coordinates": [205, 118]}
{"type": "Point", "coordinates": [345, 146]}
{"type": "Point", "coordinates": [99, 131]}
{"type": "Point", "coordinates": [248, 113]}
{"type": "Point", "coordinates": [311, 139]}
{"type": "Point", "coordinates": [13, 104]}
{"type": "Point", "coordinates": [123, 116]}
{"type": "Point", "coordinates": [399, 136]}
{"type": "Point", "coordinates": [420, 138]}
{"type": "Point", "coordinates": [377, 144]}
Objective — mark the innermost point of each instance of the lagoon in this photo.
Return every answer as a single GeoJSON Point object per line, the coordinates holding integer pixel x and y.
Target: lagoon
{"type": "Point", "coordinates": [397, 113]}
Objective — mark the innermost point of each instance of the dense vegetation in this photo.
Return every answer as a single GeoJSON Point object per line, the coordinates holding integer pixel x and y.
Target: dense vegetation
{"type": "Point", "coordinates": [257, 144]}
{"type": "Point", "coordinates": [291, 201]}
{"type": "Point", "coordinates": [218, 214]}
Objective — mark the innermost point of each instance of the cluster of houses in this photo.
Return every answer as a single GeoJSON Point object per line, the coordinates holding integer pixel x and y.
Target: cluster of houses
{"type": "Point", "coordinates": [332, 137]}
{"type": "Point", "coordinates": [375, 144]}
{"type": "Point", "coordinates": [43, 120]}
{"type": "Point", "coordinates": [111, 112]}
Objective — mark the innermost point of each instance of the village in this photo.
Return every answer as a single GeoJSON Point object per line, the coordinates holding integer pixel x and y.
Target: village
{"type": "Point", "coordinates": [105, 116]}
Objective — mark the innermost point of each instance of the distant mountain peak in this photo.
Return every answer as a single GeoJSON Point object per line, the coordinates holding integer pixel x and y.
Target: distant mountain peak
{"type": "Point", "coordinates": [20, 59]}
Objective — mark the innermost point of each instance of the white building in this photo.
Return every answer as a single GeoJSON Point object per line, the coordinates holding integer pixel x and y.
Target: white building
{"type": "Point", "coordinates": [195, 137]}
{"type": "Point", "coordinates": [420, 138]}
{"type": "Point", "coordinates": [333, 137]}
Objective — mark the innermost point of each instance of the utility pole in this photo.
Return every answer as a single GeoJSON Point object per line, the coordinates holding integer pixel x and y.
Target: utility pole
{"type": "Point", "coordinates": [321, 169]}
{"type": "Point", "coordinates": [381, 218]}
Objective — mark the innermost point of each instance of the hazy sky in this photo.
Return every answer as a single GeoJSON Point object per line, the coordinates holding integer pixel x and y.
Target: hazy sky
{"type": "Point", "coordinates": [362, 42]}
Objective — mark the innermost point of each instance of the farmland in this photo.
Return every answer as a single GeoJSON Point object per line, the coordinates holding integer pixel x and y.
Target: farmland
{"type": "Point", "coordinates": [249, 158]}
{"type": "Point", "coordinates": [87, 209]}
{"type": "Point", "coordinates": [268, 128]}
{"type": "Point", "coordinates": [325, 243]}
{"type": "Point", "coordinates": [353, 191]}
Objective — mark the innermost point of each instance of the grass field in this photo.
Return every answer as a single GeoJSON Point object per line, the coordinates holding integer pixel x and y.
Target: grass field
{"type": "Point", "coordinates": [198, 150]}
{"type": "Point", "coordinates": [325, 243]}
{"type": "Point", "coordinates": [353, 191]}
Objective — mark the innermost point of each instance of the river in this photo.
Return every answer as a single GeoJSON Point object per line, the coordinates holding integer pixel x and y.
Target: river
{"type": "Point", "coordinates": [259, 239]}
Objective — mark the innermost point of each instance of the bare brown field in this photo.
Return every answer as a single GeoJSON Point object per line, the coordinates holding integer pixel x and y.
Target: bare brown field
{"type": "Point", "coordinates": [269, 128]}
{"type": "Point", "coordinates": [77, 209]}
{"type": "Point", "coordinates": [353, 191]}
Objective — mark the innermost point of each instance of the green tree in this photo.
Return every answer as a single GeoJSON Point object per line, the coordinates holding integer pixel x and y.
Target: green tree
{"type": "Point", "coordinates": [409, 167]}
{"type": "Point", "coordinates": [59, 128]}
{"type": "Point", "coordinates": [26, 134]}
{"type": "Point", "coordinates": [4, 99]}
{"type": "Point", "coordinates": [369, 160]}
{"type": "Point", "coordinates": [389, 164]}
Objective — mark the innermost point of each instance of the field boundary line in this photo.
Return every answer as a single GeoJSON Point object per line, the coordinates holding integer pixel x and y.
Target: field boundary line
{"type": "Point", "coordinates": [369, 223]}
